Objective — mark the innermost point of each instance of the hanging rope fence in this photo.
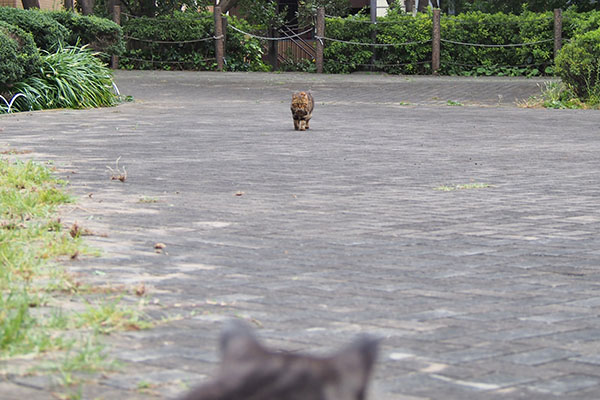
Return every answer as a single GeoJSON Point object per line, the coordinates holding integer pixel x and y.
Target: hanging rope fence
{"type": "Point", "coordinates": [321, 38]}
{"type": "Point", "coordinates": [275, 39]}
{"type": "Point", "coordinates": [167, 62]}
{"type": "Point", "coordinates": [206, 39]}
{"type": "Point", "coordinates": [497, 45]}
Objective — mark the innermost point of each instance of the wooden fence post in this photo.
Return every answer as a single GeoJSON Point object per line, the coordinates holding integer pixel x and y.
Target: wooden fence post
{"type": "Point", "coordinates": [373, 6]}
{"type": "Point", "coordinates": [114, 59]}
{"type": "Point", "coordinates": [557, 31]}
{"type": "Point", "coordinates": [320, 35]}
{"type": "Point", "coordinates": [218, 39]}
{"type": "Point", "coordinates": [224, 32]}
{"type": "Point", "coordinates": [435, 48]}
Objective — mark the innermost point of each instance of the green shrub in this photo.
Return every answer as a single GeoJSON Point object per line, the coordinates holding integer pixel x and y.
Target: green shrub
{"type": "Point", "coordinates": [71, 77]}
{"type": "Point", "coordinates": [493, 30]}
{"type": "Point", "coordinates": [47, 33]}
{"type": "Point", "coordinates": [456, 59]}
{"type": "Point", "coordinates": [99, 33]}
{"type": "Point", "coordinates": [243, 54]}
{"type": "Point", "coordinates": [19, 56]}
{"type": "Point", "coordinates": [578, 65]}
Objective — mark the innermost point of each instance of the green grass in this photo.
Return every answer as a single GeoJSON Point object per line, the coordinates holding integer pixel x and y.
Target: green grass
{"type": "Point", "coordinates": [71, 77]}
{"type": "Point", "coordinates": [557, 95]}
{"type": "Point", "coordinates": [33, 284]}
{"type": "Point", "coordinates": [147, 199]}
{"type": "Point", "coordinates": [467, 186]}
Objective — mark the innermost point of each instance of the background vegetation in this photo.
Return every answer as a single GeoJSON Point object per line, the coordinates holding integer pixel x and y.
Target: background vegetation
{"type": "Point", "coordinates": [149, 47]}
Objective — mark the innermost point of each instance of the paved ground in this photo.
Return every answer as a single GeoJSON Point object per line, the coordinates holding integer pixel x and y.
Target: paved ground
{"type": "Point", "coordinates": [478, 293]}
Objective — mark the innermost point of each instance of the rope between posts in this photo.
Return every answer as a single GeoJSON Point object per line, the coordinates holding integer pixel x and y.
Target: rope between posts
{"type": "Point", "coordinates": [395, 65]}
{"type": "Point", "coordinates": [496, 66]}
{"type": "Point", "coordinates": [369, 22]}
{"type": "Point", "coordinates": [321, 38]}
{"type": "Point", "coordinates": [271, 38]}
{"type": "Point", "coordinates": [165, 62]}
{"type": "Point", "coordinates": [173, 41]}
{"type": "Point", "coordinates": [497, 45]}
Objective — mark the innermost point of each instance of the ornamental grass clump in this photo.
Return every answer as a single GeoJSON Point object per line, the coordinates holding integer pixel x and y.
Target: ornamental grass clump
{"type": "Point", "coordinates": [71, 77]}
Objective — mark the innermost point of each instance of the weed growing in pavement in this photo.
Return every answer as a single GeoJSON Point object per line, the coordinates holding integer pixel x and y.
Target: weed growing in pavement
{"type": "Point", "coordinates": [449, 188]}
{"type": "Point", "coordinates": [556, 95]}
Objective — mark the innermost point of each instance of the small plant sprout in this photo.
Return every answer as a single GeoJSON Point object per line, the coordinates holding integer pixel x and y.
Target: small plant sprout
{"type": "Point", "coordinates": [117, 174]}
{"type": "Point", "coordinates": [147, 199]}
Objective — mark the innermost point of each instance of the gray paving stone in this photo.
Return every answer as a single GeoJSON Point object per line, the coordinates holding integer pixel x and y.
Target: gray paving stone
{"type": "Point", "coordinates": [541, 356]}
{"type": "Point", "coordinates": [565, 385]}
{"type": "Point", "coordinates": [478, 293]}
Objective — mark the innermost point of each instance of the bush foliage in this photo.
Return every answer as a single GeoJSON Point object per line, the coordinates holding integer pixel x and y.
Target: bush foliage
{"type": "Point", "coordinates": [47, 33]}
{"type": "Point", "coordinates": [146, 48]}
{"type": "Point", "coordinates": [489, 30]}
{"type": "Point", "coordinates": [19, 57]}
{"type": "Point", "coordinates": [578, 65]}
{"type": "Point", "coordinates": [99, 33]}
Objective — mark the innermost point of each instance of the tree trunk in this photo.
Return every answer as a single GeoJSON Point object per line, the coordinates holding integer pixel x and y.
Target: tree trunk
{"type": "Point", "coordinates": [28, 4]}
{"type": "Point", "coordinates": [435, 4]}
{"type": "Point", "coordinates": [422, 5]}
{"type": "Point", "coordinates": [409, 6]}
{"type": "Point", "coordinates": [87, 7]}
{"type": "Point", "coordinates": [227, 5]}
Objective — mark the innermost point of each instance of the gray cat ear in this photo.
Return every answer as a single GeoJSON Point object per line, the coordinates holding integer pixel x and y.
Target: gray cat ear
{"type": "Point", "coordinates": [359, 357]}
{"type": "Point", "coordinates": [238, 340]}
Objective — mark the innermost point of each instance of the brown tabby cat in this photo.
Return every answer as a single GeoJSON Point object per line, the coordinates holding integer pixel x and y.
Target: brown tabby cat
{"type": "Point", "coordinates": [249, 371]}
{"type": "Point", "coordinates": [302, 108]}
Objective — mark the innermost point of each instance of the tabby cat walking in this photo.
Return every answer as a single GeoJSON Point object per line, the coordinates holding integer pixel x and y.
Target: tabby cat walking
{"type": "Point", "coordinates": [302, 108]}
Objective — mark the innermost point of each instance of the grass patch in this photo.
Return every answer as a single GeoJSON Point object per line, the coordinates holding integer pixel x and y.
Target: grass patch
{"type": "Point", "coordinates": [33, 284]}
{"type": "Point", "coordinates": [110, 316]}
{"type": "Point", "coordinates": [71, 77]}
{"type": "Point", "coordinates": [148, 200]}
{"type": "Point", "coordinates": [467, 186]}
{"type": "Point", "coordinates": [556, 95]}
{"type": "Point", "coordinates": [454, 103]}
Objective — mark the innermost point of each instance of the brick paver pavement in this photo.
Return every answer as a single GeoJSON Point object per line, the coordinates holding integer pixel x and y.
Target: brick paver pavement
{"type": "Point", "coordinates": [479, 293]}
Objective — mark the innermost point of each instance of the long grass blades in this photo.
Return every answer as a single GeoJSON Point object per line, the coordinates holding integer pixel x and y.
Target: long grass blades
{"type": "Point", "coordinates": [72, 77]}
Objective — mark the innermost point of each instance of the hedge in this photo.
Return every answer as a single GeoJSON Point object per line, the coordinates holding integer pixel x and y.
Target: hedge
{"type": "Point", "coordinates": [578, 65]}
{"type": "Point", "coordinates": [145, 52]}
{"type": "Point", "coordinates": [19, 57]}
{"type": "Point", "coordinates": [47, 33]}
{"type": "Point", "coordinates": [99, 33]}
{"type": "Point", "coordinates": [456, 59]}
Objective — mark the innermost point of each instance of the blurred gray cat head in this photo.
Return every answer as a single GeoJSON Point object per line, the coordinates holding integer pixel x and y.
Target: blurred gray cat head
{"type": "Point", "coordinates": [250, 371]}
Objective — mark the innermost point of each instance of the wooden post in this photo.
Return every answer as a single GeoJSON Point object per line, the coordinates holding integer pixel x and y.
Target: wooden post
{"type": "Point", "coordinates": [557, 31]}
{"type": "Point", "coordinates": [224, 29]}
{"type": "Point", "coordinates": [218, 39]}
{"type": "Point", "coordinates": [320, 35]}
{"type": "Point", "coordinates": [435, 50]}
{"type": "Point", "coordinates": [373, 6]}
{"type": "Point", "coordinates": [114, 59]}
